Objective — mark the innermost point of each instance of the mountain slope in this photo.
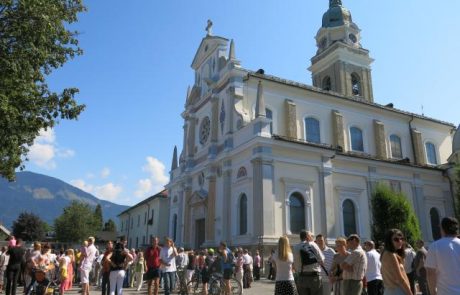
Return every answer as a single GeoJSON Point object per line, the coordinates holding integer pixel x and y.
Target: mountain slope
{"type": "Point", "coordinates": [45, 196]}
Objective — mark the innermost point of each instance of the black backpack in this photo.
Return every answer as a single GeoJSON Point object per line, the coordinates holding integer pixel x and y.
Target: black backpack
{"type": "Point", "coordinates": [307, 256]}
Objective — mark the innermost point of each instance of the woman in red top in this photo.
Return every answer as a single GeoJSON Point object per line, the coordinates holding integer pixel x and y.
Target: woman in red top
{"type": "Point", "coordinates": [152, 258]}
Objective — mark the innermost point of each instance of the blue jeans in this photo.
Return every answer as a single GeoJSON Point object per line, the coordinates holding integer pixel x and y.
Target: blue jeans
{"type": "Point", "coordinates": [169, 281]}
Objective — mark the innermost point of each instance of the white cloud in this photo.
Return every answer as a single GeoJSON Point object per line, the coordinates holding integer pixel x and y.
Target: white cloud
{"type": "Point", "coordinates": [81, 184]}
{"type": "Point", "coordinates": [45, 150]}
{"type": "Point", "coordinates": [156, 181]}
{"type": "Point", "coordinates": [108, 191]}
{"type": "Point", "coordinates": [105, 172]}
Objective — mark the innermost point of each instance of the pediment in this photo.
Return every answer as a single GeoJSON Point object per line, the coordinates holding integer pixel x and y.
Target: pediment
{"type": "Point", "coordinates": [198, 197]}
{"type": "Point", "coordinates": [207, 46]}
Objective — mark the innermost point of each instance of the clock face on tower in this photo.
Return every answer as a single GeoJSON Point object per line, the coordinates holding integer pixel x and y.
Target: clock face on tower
{"type": "Point", "coordinates": [353, 38]}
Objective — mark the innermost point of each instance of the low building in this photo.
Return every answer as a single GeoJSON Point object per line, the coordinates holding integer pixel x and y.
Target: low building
{"type": "Point", "coordinates": [146, 219]}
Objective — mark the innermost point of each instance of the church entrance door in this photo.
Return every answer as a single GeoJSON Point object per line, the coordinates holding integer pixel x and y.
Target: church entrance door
{"type": "Point", "coordinates": [200, 229]}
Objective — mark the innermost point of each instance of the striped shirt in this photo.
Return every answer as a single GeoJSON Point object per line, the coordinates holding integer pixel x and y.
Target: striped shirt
{"type": "Point", "coordinates": [328, 258]}
{"type": "Point", "coordinates": [358, 260]}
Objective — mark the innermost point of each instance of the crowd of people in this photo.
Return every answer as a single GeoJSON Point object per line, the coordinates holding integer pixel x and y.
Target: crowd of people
{"type": "Point", "coordinates": [313, 268]}
{"type": "Point", "coordinates": [308, 268]}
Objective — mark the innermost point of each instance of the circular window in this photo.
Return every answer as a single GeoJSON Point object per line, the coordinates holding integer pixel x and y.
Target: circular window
{"type": "Point", "coordinates": [205, 128]}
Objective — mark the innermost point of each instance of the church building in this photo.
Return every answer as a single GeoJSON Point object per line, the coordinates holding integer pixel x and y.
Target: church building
{"type": "Point", "coordinates": [264, 156]}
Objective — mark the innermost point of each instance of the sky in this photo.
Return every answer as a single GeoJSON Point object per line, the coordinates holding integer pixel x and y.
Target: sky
{"type": "Point", "coordinates": [135, 70]}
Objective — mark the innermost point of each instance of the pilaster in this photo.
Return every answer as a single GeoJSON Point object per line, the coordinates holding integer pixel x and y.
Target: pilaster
{"type": "Point", "coordinates": [263, 193]}
{"type": "Point", "coordinates": [419, 206]}
{"type": "Point", "coordinates": [291, 118]}
{"type": "Point", "coordinates": [380, 146]}
{"type": "Point", "coordinates": [328, 222]}
{"type": "Point", "coordinates": [187, 214]}
{"type": "Point", "coordinates": [226, 205]}
{"type": "Point", "coordinates": [337, 129]}
{"type": "Point", "coordinates": [211, 208]}
{"type": "Point", "coordinates": [418, 147]}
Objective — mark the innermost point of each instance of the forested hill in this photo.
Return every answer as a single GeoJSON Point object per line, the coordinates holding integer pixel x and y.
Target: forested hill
{"type": "Point", "coordinates": [45, 196]}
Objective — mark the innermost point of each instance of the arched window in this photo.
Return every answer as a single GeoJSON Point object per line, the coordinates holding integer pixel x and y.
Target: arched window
{"type": "Point", "coordinates": [243, 214]}
{"type": "Point", "coordinates": [297, 213]}
{"type": "Point", "coordinates": [396, 150]}
{"type": "Point", "coordinates": [435, 224]}
{"type": "Point", "coordinates": [269, 115]}
{"type": "Point", "coordinates": [327, 83]}
{"type": "Point", "coordinates": [431, 153]}
{"type": "Point", "coordinates": [312, 130]}
{"type": "Point", "coordinates": [349, 218]}
{"type": "Point", "coordinates": [241, 172]}
{"type": "Point", "coordinates": [355, 84]}
{"type": "Point", "coordinates": [357, 143]}
{"type": "Point", "coordinates": [174, 227]}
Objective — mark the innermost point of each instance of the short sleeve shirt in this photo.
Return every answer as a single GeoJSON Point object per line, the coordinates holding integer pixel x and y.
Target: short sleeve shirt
{"type": "Point", "coordinates": [152, 256]}
{"type": "Point", "coordinates": [444, 256]}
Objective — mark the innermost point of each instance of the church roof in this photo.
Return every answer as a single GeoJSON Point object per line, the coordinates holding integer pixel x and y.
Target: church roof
{"type": "Point", "coordinates": [456, 142]}
{"type": "Point", "coordinates": [348, 98]}
{"type": "Point", "coordinates": [163, 195]}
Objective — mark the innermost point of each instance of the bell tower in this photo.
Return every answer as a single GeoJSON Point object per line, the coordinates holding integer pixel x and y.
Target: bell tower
{"type": "Point", "coordinates": [341, 64]}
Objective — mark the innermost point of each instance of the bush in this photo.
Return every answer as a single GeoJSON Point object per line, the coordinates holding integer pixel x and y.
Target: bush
{"type": "Point", "coordinates": [392, 210]}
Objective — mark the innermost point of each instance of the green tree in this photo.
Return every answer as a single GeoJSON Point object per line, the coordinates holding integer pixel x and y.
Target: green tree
{"type": "Point", "coordinates": [110, 226]}
{"type": "Point", "coordinates": [34, 40]}
{"type": "Point", "coordinates": [98, 220]}
{"type": "Point", "coordinates": [76, 223]}
{"type": "Point", "coordinates": [392, 210]}
{"type": "Point", "coordinates": [29, 227]}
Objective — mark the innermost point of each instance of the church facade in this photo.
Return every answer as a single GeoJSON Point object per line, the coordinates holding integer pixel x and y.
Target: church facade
{"type": "Point", "coordinates": [264, 156]}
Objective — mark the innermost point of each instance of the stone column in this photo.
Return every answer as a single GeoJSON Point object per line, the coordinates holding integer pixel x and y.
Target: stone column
{"type": "Point", "coordinates": [337, 129]}
{"type": "Point", "coordinates": [226, 206]}
{"type": "Point", "coordinates": [187, 216]}
{"type": "Point", "coordinates": [263, 196]}
{"type": "Point", "coordinates": [291, 118]}
{"type": "Point", "coordinates": [211, 208]}
{"type": "Point", "coordinates": [326, 184]}
{"type": "Point", "coordinates": [380, 144]}
{"type": "Point", "coordinates": [180, 219]}
{"type": "Point", "coordinates": [419, 155]}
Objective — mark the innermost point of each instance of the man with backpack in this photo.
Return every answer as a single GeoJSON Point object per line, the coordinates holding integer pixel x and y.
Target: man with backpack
{"type": "Point", "coordinates": [308, 259]}
{"type": "Point", "coordinates": [227, 265]}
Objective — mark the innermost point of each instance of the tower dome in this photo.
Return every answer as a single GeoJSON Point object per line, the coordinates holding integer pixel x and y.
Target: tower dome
{"type": "Point", "coordinates": [337, 15]}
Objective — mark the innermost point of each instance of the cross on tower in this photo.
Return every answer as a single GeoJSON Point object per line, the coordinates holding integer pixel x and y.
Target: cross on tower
{"type": "Point", "coordinates": [209, 28]}
{"type": "Point", "coordinates": [335, 3]}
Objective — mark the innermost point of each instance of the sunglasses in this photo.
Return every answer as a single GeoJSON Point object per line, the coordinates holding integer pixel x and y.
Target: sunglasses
{"type": "Point", "coordinates": [397, 239]}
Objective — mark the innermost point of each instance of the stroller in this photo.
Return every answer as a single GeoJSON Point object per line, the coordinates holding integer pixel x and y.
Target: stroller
{"type": "Point", "coordinates": [42, 284]}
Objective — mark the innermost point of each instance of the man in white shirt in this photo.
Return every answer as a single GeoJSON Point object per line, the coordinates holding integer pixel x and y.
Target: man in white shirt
{"type": "Point", "coordinates": [328, 258]}
{"type": "Point", "coordinates": [168, 264]}
{"type": "Point", "coordinates": [87, 265]}
{"type": "Point", "coordinates": [373, 275]}
{"type": "Point", "coordinates": [443, 260]}
{"type": "Point", "coordinates": [308, 268]}
{"type": "Point", "coordinates": [247, 269]}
